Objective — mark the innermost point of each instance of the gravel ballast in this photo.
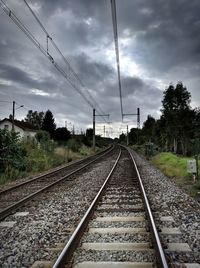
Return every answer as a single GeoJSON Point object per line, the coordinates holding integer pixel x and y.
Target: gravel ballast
{"type": "Point", "coordinates": [167, 199]}
{"type": "Point", "coordinates": [51, 218]}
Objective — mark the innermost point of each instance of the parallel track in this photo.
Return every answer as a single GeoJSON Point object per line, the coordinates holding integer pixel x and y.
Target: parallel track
{"type": "Point", "coordinates": [115, 213]}
{"type": "Point", "coordinates": [16, 196]}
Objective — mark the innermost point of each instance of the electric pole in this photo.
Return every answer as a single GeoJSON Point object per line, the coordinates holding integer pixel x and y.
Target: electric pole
{"type": "Point", "coordinates": [13, 114]}
{"type": "Point", "coordinates": [13, 117]}
{"type": "Point", "coordinates": [127, 142]}
{"type": "Point", "coordinates": [138, 118]}
{"type": "Point", "coordinates": [93, 140]}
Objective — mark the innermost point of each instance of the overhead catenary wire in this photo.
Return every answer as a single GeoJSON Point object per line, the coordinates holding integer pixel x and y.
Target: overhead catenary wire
{"type": "Point", "coordinates": [6, 101]}
{"type": "Point", "coordinates": [70, 75]}
{"type": "Point", "coordinates": [70, 69]}
{"type": "Point", "coordinates": [62, 56]}
{"type": "Point", "coordinates": [114, 20]}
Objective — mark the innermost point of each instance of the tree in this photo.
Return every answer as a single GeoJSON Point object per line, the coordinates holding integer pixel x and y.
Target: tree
{"type": "Point", "coordinates": [133, 135]}
{"type": "Point", "coordinates": [62, 134]}
{"type": "Point", "coordinates": [176, 113]}
{"type": "Point", "coordinates": [148, 129]}
{"type": "Point", "coordinates": [122, 138]}
{"type": "Point", "coordinates": [89, 133]}
{"type": "Point", "coordinates": [48, 123]}
{"type": "Point", "coordinates": [12, 154]}
{"type": "Point", "coordinates": [35, 118]}
{"type": "Point", "coordinates": [42, 135]}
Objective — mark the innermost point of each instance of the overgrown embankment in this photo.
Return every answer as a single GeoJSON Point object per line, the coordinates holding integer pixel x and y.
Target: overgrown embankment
{"type": "Point", "coordinates": [20, 158]}
{"type": "Point", "coordinates": [175, 167]}
{"type": "Point", "coordinates": [38, 160]}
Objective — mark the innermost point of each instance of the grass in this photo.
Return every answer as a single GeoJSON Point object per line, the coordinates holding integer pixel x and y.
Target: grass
{"type": "Point", "coordinates": [175, 167]}
{"type": "Point", "coordinates": [38, 160]}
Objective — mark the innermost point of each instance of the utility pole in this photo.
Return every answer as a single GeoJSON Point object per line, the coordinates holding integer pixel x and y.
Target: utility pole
{"type": "Point", "coordinates": [13, 117]}
{"type": "Point", "coordinates": [138, 118]}
{"type": "Point", "coordinates": [93, 140]}
{"type": "Point", "coordinates": [13, 114]}
{"type": "Point", "coordinates": [104, 130]}
{"type": "Point", "coordinates": [127, 142]}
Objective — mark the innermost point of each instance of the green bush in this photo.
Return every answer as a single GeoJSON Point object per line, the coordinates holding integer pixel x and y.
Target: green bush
{"type": "Point", "coordinates": [73, 145]}
{"type": "Point", "coordinates": [12, 152]}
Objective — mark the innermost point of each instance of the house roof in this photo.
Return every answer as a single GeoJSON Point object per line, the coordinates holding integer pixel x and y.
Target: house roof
{"type": "Point", "coordinates": [21, 124]}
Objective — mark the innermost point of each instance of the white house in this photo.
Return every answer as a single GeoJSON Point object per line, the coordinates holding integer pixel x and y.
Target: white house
{"type": "Point", "coordinates": [24, 129]}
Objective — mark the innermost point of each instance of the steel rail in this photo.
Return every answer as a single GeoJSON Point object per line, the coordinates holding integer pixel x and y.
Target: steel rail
{"type": "Point", "coordinates": [159, 249]}
{"type": "Point", "coordinates": [54, 171]}
{"type": "Point", "coordinates": [7, 211]}
{"type": "Point", "coordinates": [73, 241]}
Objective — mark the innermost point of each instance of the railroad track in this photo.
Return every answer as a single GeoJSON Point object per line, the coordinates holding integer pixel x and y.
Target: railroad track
{"type": "Point", "coordinates": [118, 229]}
{"type": "Point", "coordinates": [14, 197]}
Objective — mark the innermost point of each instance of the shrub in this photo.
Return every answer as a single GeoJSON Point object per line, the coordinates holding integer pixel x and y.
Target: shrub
{"type": "Point", "coordinates": [73, 145]}
{"type": "Point", "coordinates": [12, 152]}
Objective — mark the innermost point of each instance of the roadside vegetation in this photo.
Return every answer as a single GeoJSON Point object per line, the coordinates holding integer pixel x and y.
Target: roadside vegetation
{"type": "Point", "coordinates": [51, 147]}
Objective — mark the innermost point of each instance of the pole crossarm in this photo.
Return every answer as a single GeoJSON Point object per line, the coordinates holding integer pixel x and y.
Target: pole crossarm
{"type": "Point", "coordinates": [137, 114]}
{"type": "Point", "coordinates": [128, 114]}
{"type": "Point", "coordinates": [102, 115]}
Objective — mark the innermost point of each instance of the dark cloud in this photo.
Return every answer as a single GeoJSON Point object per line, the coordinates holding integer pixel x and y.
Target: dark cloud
{"type": "Point", "coordinates": [160, 38]}
{"type": "Point", "coordinates": [15, 74]}
{"type": "Point", "coordinates": [165, 33]}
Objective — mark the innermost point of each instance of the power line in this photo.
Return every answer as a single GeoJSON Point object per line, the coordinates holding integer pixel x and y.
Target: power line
{"type": "Point", "coordinates": [69, 75]}
{"type": "Point", "coordinates": [114, 20]}
{"type": "Point", "coordinates": [6, 101]}
{"type": "Point", "coordinates": [63, 57]}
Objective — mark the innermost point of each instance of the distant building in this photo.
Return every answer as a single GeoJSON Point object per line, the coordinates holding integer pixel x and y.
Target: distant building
{"type": "Point", "coordinates": [24, 129]}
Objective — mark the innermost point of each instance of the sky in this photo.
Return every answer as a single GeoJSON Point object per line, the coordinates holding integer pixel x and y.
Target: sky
{"type": "Point", "coordinates": [159, 44]}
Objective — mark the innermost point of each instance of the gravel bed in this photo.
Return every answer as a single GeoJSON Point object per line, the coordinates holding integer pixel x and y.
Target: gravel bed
{"type": "Point", "coordinates": [131, 189]}
{"type": "Point", "coordinates": [82, 255]}
{"type": "Point", "coordinates": [166, 238]}
{"type": "Point", "coordinates": [121, 200]}
{"type": "Point", "coordinates": [52, 218]}
{"type": "Point", "coordinates": [116, 238]}
{"type": "Point", "coordinates": [119, 196]}
{"type": "Point", "coordinates": [168, 199]}
{"type": "Point", "coordinates": [136, 224]}
{"type": "Point", "coordinates": [118, 206]}
{"type": "Point", "coordinates": [119, 214]}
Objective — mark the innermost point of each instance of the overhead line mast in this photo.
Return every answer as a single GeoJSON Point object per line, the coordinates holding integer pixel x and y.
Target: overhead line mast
{"type": "Point", "coordinates": [114, 20]}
